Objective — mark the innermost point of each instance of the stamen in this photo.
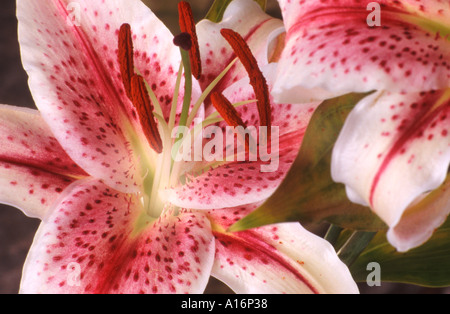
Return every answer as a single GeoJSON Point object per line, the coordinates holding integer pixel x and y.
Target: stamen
{"type": "Point", "coordinates": [144, 107]}
{"type": "Point", "coordinates": [126, 60]}
{"type": "Point", "coordinates": [257, 79]}
{"type": "Point", "coordinates": [226, 110]}
{"type": "Point", "coordinates": [229, 113]}
{"type": "Point", "coordinates": [187, 25]}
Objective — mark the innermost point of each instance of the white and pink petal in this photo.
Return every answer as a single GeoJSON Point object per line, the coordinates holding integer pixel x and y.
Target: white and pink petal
{"type": "Point", "coordinates": [331, 49]}
{"type": "Point", "coordinates": [231, 185]}
{"type": "Point", "coordinates": [98, 240]}
{"type": "Point", "coordinates": [282, 258]}
{"type": "Point", "coordinates": [420, 220]}
{"type": "Point", "coordinates": [34, 169]}
{"type": "Point", "coordinates": [27, 140]}
{"type": "Point", "coordinates": [393, 149]}
{"type": "Point", "coordinates": [30, 189]}
{"type": "Point", "coordinates": [254, 25]}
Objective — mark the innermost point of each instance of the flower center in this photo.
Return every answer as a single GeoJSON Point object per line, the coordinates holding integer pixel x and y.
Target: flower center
{"type": "Point", "coordinates": [165, 171]}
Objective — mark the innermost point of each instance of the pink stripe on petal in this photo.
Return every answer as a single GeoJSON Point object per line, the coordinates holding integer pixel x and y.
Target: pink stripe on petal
{"type": "Point", "coordinates": [252, 254]}
{"type": "Point", "coordinates": [33, 166]}
{"type": "Point", "coordinates": [413, 127]}
{"type": "Point", "coordinates": [282, 258]}
{"type": "Point", "coordinates": [391, 138]}
{"type": "Point", "coordinates": [293, 11]}
{"type": "Point", "coordinates": [27, 140]}
{"type": "Point", "coordinates": [30, 189]}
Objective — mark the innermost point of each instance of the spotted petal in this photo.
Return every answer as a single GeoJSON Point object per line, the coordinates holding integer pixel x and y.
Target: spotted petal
{"type": "Point", "coordinates": [34, 168]}
{"type": "Point", "coordinates": [282, 258]}
{"type": "Point", "coordinates": [393, 149]}
{"type": "Point", "coordinates": [98, 240]}
{"type": "Point", "coordinates": [331, 49]}
{"type": "Point", "coordinates": [69, 50]}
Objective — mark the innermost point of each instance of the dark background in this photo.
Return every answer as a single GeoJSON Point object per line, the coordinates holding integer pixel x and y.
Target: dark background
{"type": "Point", "coordinates": [17, 230]}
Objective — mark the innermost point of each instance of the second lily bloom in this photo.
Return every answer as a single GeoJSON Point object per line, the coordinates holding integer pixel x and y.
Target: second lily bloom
{"type": "Point", "coordinates": [395, 146]}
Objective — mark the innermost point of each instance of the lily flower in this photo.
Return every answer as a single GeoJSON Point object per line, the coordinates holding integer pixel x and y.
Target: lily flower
{"type": "Point", "coordinates": [394, 147]}
{"type": "Point", "coordinates": [119, 214]}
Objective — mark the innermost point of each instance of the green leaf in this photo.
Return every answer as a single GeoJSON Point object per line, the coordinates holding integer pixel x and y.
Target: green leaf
{"type": "Point", "coordinates": [427, 265]}
{"type": "Point", "coordinates": [308, 193]}
{"type": "Point", "coordinates": [215, 13]}
{"type": "Point", "coordinates": [353, 247]}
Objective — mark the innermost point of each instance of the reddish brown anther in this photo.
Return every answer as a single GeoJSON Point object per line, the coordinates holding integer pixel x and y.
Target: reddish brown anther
{"type": "Point", "coordinates": [257, 79]}
{"type": "Point", "coordinates": [226, 110]}
{"type": "Point", "coordinates": [144, 107]}
{"type": "Point", "coordinates": [228, 113]}
{"type": "Point", "coordinates": [126, 60]}
{"type": "Point", "coordinates": [187, 25]}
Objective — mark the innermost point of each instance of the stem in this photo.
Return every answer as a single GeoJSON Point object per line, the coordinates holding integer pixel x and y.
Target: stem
{"type": "Point", "coordinates": [354, 246]}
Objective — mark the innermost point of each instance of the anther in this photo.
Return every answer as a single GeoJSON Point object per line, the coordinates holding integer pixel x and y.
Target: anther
{"type": "Point", "coordinates": [144, 107]}
{"type": "Point", "coordinates": [257, 80]}
{"type": "Point", "coordinates": [187, 25]}
{"type": "Point", "coordinates": [126, 61]}
{"type": "Point", "coordinates": [228, 112]}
